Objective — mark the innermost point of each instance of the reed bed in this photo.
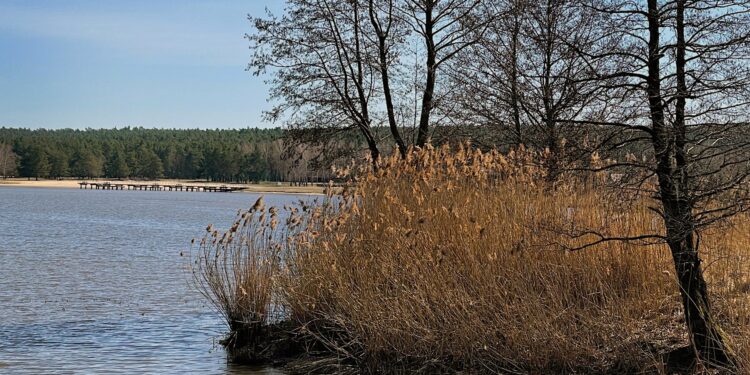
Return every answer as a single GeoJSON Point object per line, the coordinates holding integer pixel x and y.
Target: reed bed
{"type": "Point", "coordinates": [234, 270]}
{"type": "Point", "coordinates": [458, 260]}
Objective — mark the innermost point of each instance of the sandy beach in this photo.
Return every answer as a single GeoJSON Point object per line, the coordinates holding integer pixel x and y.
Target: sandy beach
{"type": "Point", "coordinates": [280, 188]}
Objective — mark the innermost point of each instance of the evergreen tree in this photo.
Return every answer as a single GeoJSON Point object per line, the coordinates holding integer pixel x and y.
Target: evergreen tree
{"type": "Point", "coordinates": [86, 164]}
{"type": "Point", "coordinates": [35, 163]}
{"type": "Point", "coordinates": [117, 165]}
{"type": "Point", "coordinates": [59, 164]}
{"type": "Point", "coordinates": [223, 155]}
{"type": "Point", "coordinates": [150, 164]}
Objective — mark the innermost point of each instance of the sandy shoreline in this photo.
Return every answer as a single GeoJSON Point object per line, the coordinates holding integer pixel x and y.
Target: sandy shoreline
{"type": "Point", "coordinates": [250, 188]}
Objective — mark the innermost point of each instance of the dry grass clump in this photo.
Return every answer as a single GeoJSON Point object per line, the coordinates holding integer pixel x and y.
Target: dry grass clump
{"type": "Point", "coordinates": [462, 260]}
{"type": "Point", "coordinates": [235, 269]}
{"type": "Point", "coordinates": [456, 259]}
{"type": "Point", "coordinates": [727, 264]}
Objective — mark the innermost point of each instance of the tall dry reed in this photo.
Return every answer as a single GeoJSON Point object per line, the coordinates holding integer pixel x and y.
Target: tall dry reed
{"type": "Point", "coordinates": [462, 260]}
{"type": "Point", "coordinates": [234, 270]}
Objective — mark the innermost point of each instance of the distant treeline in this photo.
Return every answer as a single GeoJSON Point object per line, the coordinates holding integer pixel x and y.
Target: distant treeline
{"type": "Point", "coordinates": [239, 155]}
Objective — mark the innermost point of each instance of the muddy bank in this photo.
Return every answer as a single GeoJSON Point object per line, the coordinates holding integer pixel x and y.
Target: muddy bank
{"type": "Point", "coordinates": [295, 350]}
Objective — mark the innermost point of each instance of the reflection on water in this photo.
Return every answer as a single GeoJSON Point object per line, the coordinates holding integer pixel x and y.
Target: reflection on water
{"type": "Point", "coordinates": [93, 281]}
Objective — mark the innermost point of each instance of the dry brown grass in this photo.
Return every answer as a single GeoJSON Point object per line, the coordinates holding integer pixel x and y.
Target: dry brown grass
{"type": "Point", "coordinates": [235, 269]}
{"type": "Point", "coordinates": [457, 260]}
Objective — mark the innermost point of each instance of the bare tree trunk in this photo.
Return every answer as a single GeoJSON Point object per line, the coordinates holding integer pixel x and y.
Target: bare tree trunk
{"type": "Point", "coordinates": [382, 34]}
{"type": "Point", "coordinates": [550, 115]}
{"type": "Point", "coordinates": [373, 147]}
{"type": "Point", "coordinates": [705, 335]}
{"type": "Point", "coordinates": [514, 99]}
{"type": "Point", "coordinates": [360, 80]}
{"type": "Point", "coordinates": [389, 102]}
{"type": "Point", "coordinates": [424, 118]}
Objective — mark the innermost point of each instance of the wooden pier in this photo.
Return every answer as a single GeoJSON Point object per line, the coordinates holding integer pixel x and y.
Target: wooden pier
{"type": "Point", "coordinates": [158, 187]}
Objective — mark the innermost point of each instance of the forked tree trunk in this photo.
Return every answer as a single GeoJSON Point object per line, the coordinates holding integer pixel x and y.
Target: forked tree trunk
{"type": "Point", "coordinates": [671, 171]}
{"type": "Point", "coordinates": [382, 33]}
{"type": "Point", "coordinates": [389, 103]}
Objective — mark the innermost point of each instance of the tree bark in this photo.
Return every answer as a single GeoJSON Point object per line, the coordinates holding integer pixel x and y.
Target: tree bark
{"type": "Point", "coordinates": [705, 335]}
{"type": "Point", "coordinates": [382, 34]}
{"type": "Point", "coordinates": [514, 99]}
{"type": "Point", "coordinates": [548, 99]}
{"type": "Point", "coordinates": [374, 151]}
{"type": "Point", "coordinates": [359, 80]}
{"type": "Point", "coordinates": [427, 96]}
{"type": "Point", "coordinates": [389, 102]}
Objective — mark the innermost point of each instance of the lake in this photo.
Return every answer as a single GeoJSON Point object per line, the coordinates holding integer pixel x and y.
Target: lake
{"type": "Point", "coordinates": [93, 281]}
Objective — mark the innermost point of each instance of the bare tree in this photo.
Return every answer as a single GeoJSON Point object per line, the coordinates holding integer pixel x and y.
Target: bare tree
{"type": "Point", "coordinates": [447, 28]}
{"type": "Point", "coordinates": [336, 64]}
{"type": "Point", "coordinates": [514, 45]}
{"type": "Point", "coordinates": [8, 160]}
{"type": "Point", "coordinates": [528, 80]}
{"type": "Point", "coordinates": [488, 73]}
{"type": "Point", "coordinates": [384, 22]}
{"type": "Point", "coordinates": [322, 68]}
{"type": "Point", "coordinates": [685, 62]}
{"type": "Point", "coordinates": [558, 91]}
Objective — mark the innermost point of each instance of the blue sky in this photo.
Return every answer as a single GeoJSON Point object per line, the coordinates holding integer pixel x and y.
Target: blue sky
{"type": "Point", "coordinates": [150, 63]}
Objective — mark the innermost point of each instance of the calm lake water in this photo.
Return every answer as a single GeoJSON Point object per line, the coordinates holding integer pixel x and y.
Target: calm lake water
{"type": "Point", "coordinates": [93, 281]}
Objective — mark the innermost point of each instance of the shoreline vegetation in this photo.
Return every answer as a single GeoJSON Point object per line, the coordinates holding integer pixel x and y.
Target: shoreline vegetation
{"type": "Point", "coordinates": [221, 155]}
{"type": "Point", "coordinates": [263, 187]}
{"type": "Point", "coordinates": [462, 261]}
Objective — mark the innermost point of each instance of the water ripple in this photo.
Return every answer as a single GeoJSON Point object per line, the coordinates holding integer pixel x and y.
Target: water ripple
{"type": "Point", "coordinates": [93, 282]}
